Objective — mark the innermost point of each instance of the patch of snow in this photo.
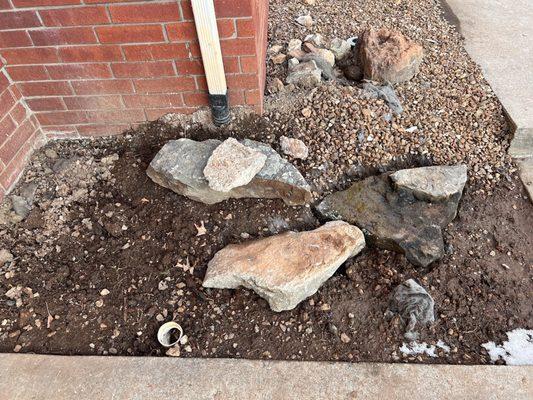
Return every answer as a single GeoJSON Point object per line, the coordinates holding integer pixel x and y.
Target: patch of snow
{"type": "Point", "coordinates": [517, 350]}
{"type": "Point", "coordinates": [414, 348]}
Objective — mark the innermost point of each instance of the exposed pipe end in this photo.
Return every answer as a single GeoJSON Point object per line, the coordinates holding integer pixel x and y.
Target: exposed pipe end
{"type": "Point", "coordinates": [220, 108]}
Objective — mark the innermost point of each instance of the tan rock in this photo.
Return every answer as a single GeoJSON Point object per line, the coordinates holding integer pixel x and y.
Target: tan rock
{"type": "Point", "coordinates": [232, 164]}
{"type": "Point", "coordinates": [278, 58]}
{"type": "Point", "coordinates": [294, 147]}
{"type": "Point", "coordinates": [388, 56]}
{"type": "Point", "coordinates": [305, 20]}
{"type": "Point", "coordinates": [285, 269]}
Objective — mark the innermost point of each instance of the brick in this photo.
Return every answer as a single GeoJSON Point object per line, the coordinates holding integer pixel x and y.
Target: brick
{"type": "Point", "coordinates": [15, 92]}
{"type": "Point", "coordinates": [19, 113]}
{"type": "Point", "coordinates": [102, 130]}
{"type": "Point", "coordinates": [14, 39]}
{"type": "Point", "coordinates": [30, 55]}
{"type": "Point", "coordinates": [196, 99]}
{"type": "Point", "coordinates": [253, 97]}
{"type": "Point", "coordinates": [18, 19]}
{"type": "Point", "coordinates": [143, 70]}
{"type": "Point", "coordinates": [130, 34]}
{"type": "Point", "coordinates": [116, 116]}
{"type": "Point", "coordinates": [7, 127]}
{"type": "Point", "coordinates": [46, 104]}
{"type": "Point", "coordinates": [62, 118]}
{"type": "Point", "coordinates": [245, 28]}
{"type": "Point", "coordinates": [23, 73]}
{"type": "Point", "coordinates": [226, 28]}
{"type": "Point", "coordinates": [201, 82]}
{"type": "Point", "coordinates": [5, 5]}
{"type": "Point", "coordinates": [156, 113]}
{"type": "Point", "coordinates": [153, 100]}
{"type": "Point", "coordinates": [249, 64]}
{"type": "Point", "coordinates": [6, 102]}
{"type": "Point", "coordinates": [186, 10]}
{"type": "Point", "coordinates": [74, 16]}
{"type": "Point", "coordinates": [11, 173]}
{"type": "Point", "coordinates": [147, 12]}
{"type": "Point", "coordinates": [236, 97]}
{"type": "Point", "coordinates": [91, 53]}
{"type": "Point", "coordinates": [241, 81]}
{"type": "Point", "coordinates": [237, 47]}
{"type": "Point", "coordinates": [190, 67]}
{"type": "Point", "coordinates": [233, 8]}
{"type": "Point", "coordinates": [231, 65]}
{"type": "Point", "coordinates": [35, 3]}
{"type": "Point", "coordinates": [162, 85]}
{"type": "Point", "coordinates": [103, 87]}
{"type": "Point", "coordinates": [60, 36]}
{"type": "Point", "coordinates": [4, 82]}
{"type": "Point", "coordinates": [15, 142]}
{"type": "Point", "coordinates": [181, 31]}
{"type": "Point", "coordinates": [94, 102]}
{"type": "Point", "coordinates": [162, 51]}
{"type": "Point", "coordinates": [37, 89]}
{"type": "Point", "coordinates": [79, 71]}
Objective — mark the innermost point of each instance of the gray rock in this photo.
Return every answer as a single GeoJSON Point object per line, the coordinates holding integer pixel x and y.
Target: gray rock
{"type": "Point", "coordinates": [285, 269]}
{"type": "Point", "coordinates": [294, 44]}
{"type": "Point", "coordinates": [435, 184]}
{"type": "Point", "coordinates": [414, 305]}
{"type": "Point", "coordinates": [385, 92]}
{"type": "Point", "coordinates": [232, 165]}
{"type": "Point", "coordinates": [393, 218]}
{"type": "Point", "coordinates": [180, 163]}
{"type": "Point", "coordinates": [305, 74]}
{"type": "Point", "coordinates": [305, 20]}
{"type": "Point", "coordinates": [340, 48]}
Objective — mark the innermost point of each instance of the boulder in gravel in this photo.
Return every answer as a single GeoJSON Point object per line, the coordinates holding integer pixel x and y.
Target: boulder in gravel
{"type": "Point", "coordinates": [394, 218]}
{"type": "Point", "coordinates": [305, 74]}
{"type": "Point", "coordinates": [294, 44]}
{"type": "Point", "coordinates": [388, 56]}
{"type": "Point", "coordinates": [414, 305]}
{"type": "Point", "coordinates": [232, 165]}
{"type": "Point", "coordinates": [179, 166]}
{"type": "Point", "coordinates": [293, 147]}
{"type": "Point", "coordinates": [287, 268]}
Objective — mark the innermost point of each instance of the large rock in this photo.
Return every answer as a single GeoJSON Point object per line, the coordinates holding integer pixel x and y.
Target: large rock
{"type": "Point", "coordinates": [232, 165]}
{"type": "Point", "coordinates": [388, 56]}
{"type": "Point", "coordinates": [432, 183]}
{"type": "Point", "coordinates": [393, 217]}
{"type": "Point", "coordinates": [285, 269]}
{"type": "Point", "coordinates": [179, 166]}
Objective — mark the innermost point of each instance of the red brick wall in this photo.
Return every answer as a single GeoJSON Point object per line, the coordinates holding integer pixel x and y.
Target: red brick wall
{"type": "Point", "coordinates": [92, 67]}
{"type": "Point", "coordinates": [19, 133]}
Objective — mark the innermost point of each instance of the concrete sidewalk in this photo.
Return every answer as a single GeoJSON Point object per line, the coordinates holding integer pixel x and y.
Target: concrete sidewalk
{"type": "Point", "coordinates": [499, 37]}
{"type": "Point", "coordinates": [59, 377]}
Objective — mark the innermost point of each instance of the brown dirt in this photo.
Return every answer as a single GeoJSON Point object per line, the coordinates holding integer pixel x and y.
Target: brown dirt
{"type": "Point", "coordinates": [133, 238]}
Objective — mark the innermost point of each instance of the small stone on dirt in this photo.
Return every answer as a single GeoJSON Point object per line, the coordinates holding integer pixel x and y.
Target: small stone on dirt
{"type": "Point", "coordinates": [316, 39]}
{"type": "Point", "coordinates": [287, 268]}
{"type": "Point", "coordinates": [385, 92]}
{"type": "Point", "coordinates": [232, 165]}
{"type": "Point", "coordinates": [294, 147]}
{"type": "Point", "coordinates": [104, 292]}
{"type": "Point", "coordinates": [5, 257]}
{"type": "Point", "coordinates": [388, 56]}
{"type": "Point", "coordinates": [340, 48]}
{"type": "Point", "coordinates": [294, 44]}
{"type": "Point", "coordinates": [305, 20]}
{"type": "Point", "coordinates": [278, 58]}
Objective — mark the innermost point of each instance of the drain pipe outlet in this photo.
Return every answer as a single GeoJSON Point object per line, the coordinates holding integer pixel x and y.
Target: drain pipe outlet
{"type": "Point", "coordinates": [206, 28]}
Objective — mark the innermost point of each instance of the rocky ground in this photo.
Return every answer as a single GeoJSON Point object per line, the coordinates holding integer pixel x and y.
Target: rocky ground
{"type": "Point", "coordinates": [104, 255]}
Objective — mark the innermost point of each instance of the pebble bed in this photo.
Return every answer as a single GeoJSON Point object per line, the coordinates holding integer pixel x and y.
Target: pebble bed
{"type": "Point", "coordinates": [451, 115]}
